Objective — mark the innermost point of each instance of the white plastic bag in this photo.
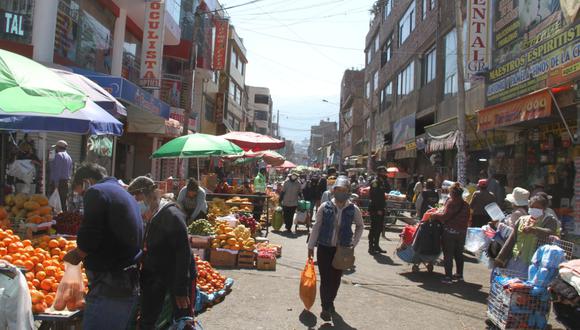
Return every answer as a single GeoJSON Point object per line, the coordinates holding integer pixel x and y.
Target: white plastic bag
{"type": "Point", "coordinates": [476, 240]}
{"type": "Point", "coordinates": [300, 218]}
{"type": "Point", "coordinates": [54, 201]}
{"type": "Point", "coordinates": [71, 289]}
{"type": "Point", "coordinates": [22, 169]}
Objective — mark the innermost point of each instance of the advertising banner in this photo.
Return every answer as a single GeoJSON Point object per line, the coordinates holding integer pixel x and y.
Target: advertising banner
{"type": "Point", "coordinates": [152, 53]}
{"type": "Point", "coordinates": [219, 107]}
{"type": "Point", "coordinates": [222, 27]}
{"type": "Point", "coordinates": [534, 48]}
{"type": "Point", "coordinates": [478, 38]}
{"type": "Point", "coordinates": [534, 106]}
{"type": "Point", "coordinates": [403, 130]}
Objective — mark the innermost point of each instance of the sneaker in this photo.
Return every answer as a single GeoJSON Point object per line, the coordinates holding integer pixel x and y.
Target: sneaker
{"type": "Point", "coordinates": [447, 280]}
{"type": "Point", "coordinates": [379, 250]}
{"type": "Point", "coordinates": [325, 315]}
{"type": "Point", "coordinates": [458, 278]}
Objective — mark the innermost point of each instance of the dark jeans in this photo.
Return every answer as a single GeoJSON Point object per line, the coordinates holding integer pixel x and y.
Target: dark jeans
{"type": "Point", "coordinates": [258, 208]}
{"type": "Point", "coordinates": [153, 292]}
{"type": "Point", "coordinates": [289, 216]}
{"type": "Point", "coordinates": [329, 276]}
{"type": "Point", "coordinates": [377, 224]}
{"type": "Point", "coordinates": [453, 249]}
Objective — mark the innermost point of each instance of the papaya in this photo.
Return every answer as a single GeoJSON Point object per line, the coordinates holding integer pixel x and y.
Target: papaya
{"type": "Point", "coordinates": [31, 206]}
{"type": "Point", "coordinates": [35, 219]}
{"type": "Point", "coordinates": [40, 199]}
{"type": "Point", "coordinates": [20, 199]}
{"type": "Point", "coordinates": [32, 213]}
{"type": "Point", "coordinates": [232, 241]}
{"type": "Point", "coordinates": [44, 210]}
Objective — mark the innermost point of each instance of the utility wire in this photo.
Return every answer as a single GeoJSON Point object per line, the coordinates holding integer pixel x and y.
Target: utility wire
{"type": "Point", "coordinates": [301, 41]}
{"type": "Point", "coordinates": [295, 9]}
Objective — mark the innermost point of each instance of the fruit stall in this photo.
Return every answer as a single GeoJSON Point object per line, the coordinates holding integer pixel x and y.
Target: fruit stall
{"type": "Point", "coordinates": [221, 205]}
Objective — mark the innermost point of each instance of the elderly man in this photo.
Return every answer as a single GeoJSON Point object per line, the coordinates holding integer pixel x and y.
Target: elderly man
{"type": "Point", "coordinates": [60, 171]}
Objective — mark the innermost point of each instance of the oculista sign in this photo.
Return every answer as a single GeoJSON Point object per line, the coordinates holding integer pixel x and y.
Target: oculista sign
{"type": "Point", "coordinates": [152, 52]}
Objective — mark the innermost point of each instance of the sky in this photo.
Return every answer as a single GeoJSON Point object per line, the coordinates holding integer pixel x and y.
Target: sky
{"type": "Point", "coordinates": [300, 50]}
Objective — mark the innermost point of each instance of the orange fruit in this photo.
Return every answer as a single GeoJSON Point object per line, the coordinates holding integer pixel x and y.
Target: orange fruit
{"type": "Point", "coordinates": [50, 270]}
{"type": "Point", "coordinates": [41, 275]}
{"type": "Point", "coordinates": [61, 256]}
{"type": "Point", "coordinates": [29, 265]}
{"type": "Point", "coordinates": [3, 251]}
{"type": "Point", "coordinates": [59, 275]}
{"type": "Point", "coordinates": [49, 299]}
{"type": "Point", "coordinates": [18, 263]}
{"type": "Point", "coordinates": [36, 283]}
{"type": "Point", "coordinates": [56, 251]}
{"type": "Point", "coordinates": [29, 276]}
{"type": "Point", "coordinates": [54, 287]}
{"type": "Point", "coordinates": [53, 243]}
{"type": "Point", "coordinates": [27, 242]}
{"type": "Point", "coordinates": [62, 243]}
{"type": "Point", "coordinates": [34, 260]}
{"type": "Point", "coordinates": [46, 284]}
{"type": "Point", "coordinates": [7, 258]}
{"type": "Point", "coordinates": [7, 241]}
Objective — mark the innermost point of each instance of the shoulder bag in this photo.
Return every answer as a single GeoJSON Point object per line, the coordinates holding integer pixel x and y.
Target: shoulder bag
{"type": "Point", "coordinates": [343, 258]}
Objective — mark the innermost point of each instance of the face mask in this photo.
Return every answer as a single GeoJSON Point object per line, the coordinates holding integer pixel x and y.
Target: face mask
{"type": "Point", "coordinates": [535, 213]}
{"type": "Point", "coordinates": [341, 196]}
{"type": "Point", "coordinates": [142, 207]}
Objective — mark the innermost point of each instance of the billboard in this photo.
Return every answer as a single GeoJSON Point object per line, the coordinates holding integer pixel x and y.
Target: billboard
{"type": "Point", "coordinates": [478, 38]}
{"type": "Point", "coordinates": [221, 44]}
{"type": "Point", "coordinates": [152, 52]}
{"type": "Point", "coordinates": [533, 46]}
{"type": "Point", "coordinates": [403, 130]}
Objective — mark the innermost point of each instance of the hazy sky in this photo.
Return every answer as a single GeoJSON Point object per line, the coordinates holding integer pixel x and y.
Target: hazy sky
{"type": "Point", "coordinates": [286, 42]}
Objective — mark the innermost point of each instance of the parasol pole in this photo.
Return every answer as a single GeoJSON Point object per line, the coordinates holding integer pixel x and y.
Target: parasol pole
{"type": "Point", "coordinates": [197, 159]}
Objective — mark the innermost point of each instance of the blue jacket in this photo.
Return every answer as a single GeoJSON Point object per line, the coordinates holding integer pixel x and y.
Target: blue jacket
{"type": "Point", "coordinates": [345, 233]}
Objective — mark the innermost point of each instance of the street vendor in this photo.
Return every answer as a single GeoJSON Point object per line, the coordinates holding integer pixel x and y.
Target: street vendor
{"type": "Point", "coordinates": [246, 187]}
{"type": "Point", "coordinates": [166, 257]}
{"type": "Point", "coordinates": [259, 189]}
{"type": "Point", "coordinates": [191, 198]}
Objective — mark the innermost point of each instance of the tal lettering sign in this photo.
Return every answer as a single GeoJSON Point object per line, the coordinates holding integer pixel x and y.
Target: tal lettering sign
{"type": "Point", "coordinates": [13, 23]}
{"type": "Point", "coordinates": [478, 12]}
{"type": "Point", "coordinates": [152, 52]}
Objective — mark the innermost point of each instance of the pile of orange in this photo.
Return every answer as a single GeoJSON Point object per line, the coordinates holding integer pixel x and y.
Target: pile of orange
{"type": "Point", "coordinates": [42, 262]}
{"type": "Point", "coordinates": [208, 279]}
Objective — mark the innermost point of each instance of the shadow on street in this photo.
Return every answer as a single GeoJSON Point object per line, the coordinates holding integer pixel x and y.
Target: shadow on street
{"type": "Point", "coordinates": [292, 235]}
{"type": "Point", "coordinates": [308, 319]}
{"type": "Point", "coordinates": [385, 260]}
{"type": "Point", "coordinates": [463, 290]}
{"type": "Point", "coordinates": [337, 323]}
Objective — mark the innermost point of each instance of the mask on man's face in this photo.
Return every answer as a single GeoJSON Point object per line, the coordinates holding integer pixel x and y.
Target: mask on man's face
{"type": "Point", "coordinates": [341, 196]}
{"type": "Point", "coordinates": [293, 177]}
{"type": "Point", "coordinates": [142, 207]}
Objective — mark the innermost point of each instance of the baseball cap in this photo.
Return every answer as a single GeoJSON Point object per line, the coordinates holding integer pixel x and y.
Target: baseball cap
{"type": "Point", "coordinates": [61, 143]}
{"type": "Point", "coordinates": [482, 183]}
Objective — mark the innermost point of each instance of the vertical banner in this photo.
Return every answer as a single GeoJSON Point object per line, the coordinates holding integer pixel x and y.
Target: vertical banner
{"type": "Point", "coordinates": [478, 38]}
{"type": "Point", "coordinates": [221, 43]}
{"type": "Point", "coordinates": [152, 53]}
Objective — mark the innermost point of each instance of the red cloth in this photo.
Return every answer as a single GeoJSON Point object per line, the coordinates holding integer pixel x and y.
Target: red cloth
{"type": "Point", "coordinates": [455, 215]}
{"type": "Point", "coordinates": [408, 234]}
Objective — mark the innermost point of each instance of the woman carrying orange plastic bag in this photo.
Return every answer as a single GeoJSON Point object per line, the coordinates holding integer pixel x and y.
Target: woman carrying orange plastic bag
{"type": "Point", "coordinates": [308, 284]}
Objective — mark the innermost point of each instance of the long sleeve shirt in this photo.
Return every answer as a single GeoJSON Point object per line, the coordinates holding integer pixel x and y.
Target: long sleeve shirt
{"type": "Point", "coordinates": [61, 167]}
{"type": "Point", "coordinates": [200, 202]}
{"type": "Point", "coordinates": [455, 216]}
{"type": "Point", "coordinates": [358, 222]}
{"type": "Point", "coordinates": [15, 302]}
{"type": "Point", "coordinates": [480, 200]}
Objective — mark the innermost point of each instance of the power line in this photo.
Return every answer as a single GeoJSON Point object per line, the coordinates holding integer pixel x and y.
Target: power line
{"type": "Point", "coordinates": [301, 41]}
{"type": "Point", "coordinates": [296, 9]}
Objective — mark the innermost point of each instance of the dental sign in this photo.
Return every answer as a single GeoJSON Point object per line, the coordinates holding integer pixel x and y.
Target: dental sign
{"type": "Point", "coordinates": [478, 37]}
{"type": "Point", "coordinates": [13, 24]}
{"type": "Point", "coordinates": [152, 53]}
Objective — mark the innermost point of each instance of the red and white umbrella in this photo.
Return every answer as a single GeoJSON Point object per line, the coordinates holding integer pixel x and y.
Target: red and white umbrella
{"type": "Point", "coordinates": [286, 165]}
{"type": "Point", "coordinates": [254, 141]}
{"type": "Point", "coordinates": [270, 157]}
{"type": "Point", "coordinates": [392, 172]}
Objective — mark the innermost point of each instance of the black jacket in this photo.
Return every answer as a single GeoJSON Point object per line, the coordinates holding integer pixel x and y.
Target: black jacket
{"type": "Point", "coordinates": [377, 194]}
{"type": "Point", "coordinates": [167, 249]}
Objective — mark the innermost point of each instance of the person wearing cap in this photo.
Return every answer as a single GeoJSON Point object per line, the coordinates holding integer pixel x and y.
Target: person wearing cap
{"type": "Point", "coordinates": [481, 198]}
{"type": "Point", "coordinates": [538, 187]}
{"type": "Point", "coordinates": [109, 244]}
{"type": "Point", "coordinates": [61, 168]}
{"type": "Point", "coordinates": [518, 201]}
{"type": "Point", "coordinates": [333, 227]}
{"type": "Point", "coordinates": [167, 262]}
{"type": "Point", "coordinates": [191, 198]}
{"type": "Point", "coordinates": [377, 205]}
{"type": "Point", "coordinates": [291, 194]}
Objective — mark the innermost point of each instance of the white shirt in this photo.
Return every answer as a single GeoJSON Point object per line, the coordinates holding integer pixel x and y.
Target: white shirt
{"type": "Point", "coordinates": [358, 222]}
{"type": "Point", "coordinates": [15, 302]}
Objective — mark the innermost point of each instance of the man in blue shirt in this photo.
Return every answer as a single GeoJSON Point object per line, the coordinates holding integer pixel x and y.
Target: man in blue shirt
{"type": "Point", "coordinates": [60, 171]}
{"type": "Point", "coordinates": [109, 243]}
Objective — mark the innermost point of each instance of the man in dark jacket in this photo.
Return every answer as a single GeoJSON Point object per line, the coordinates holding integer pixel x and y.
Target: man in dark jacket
{"type": "Point", "coordinates": [379, 187]}
{"type": "Point", "coordinates": [481, 198]}
{"type": "Point", "coordinates": [109, 244]}
{"type": "Point", "coordinates": [167, 257]}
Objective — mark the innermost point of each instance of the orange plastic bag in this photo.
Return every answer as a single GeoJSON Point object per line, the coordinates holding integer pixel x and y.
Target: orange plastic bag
{"type": "Point", "coordinates": [308, 284]}
{"type": "Point", "coordinates": [71, 291]}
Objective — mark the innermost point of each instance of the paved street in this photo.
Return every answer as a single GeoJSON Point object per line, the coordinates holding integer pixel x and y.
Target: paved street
{"type": "Point", "coordinates": [382, 293]}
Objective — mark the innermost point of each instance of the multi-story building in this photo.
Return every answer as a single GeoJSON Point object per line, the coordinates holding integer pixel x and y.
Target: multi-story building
{"type": "Point", "coordinates": [321, 135]}
{"type": "Point", "coordinates": [259, 109]}
{"type": "Point", "coordinates": [352, 106]}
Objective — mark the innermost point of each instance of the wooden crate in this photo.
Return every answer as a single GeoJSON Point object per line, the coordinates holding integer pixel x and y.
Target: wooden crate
{"type": "Point", "coordinates": [200, 242]}
{"type": "Point", "coordinates": [266, 264]}
{"type": "Point", "coordinates": [246, 259]}
{"type": "Point", "coordinates": [223, 259]}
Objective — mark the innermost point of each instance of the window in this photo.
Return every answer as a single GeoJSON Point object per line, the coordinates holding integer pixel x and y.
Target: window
{"type": "Point", "coordinates": [377, 44]}
{"type": "Point", "coordinates": [234, 58]}
{"type": "Point", "coordinates": [407, 23]}
{"type": "Point", "coordinates": [233, 88]}
{"type": "Point", "coordinates": [376, 80]}
{"type": "Point", "coordinates": [432, 4]}
{"type": "Point", "coordinates": [407, 80]}
{"type": "Point", "coordinates": [261, 115]}
{"type": "Point", "coordinates": [424, 5]}
{"type": "Point", "coordinates": [209, 110]}
{"type": "Point", "coordinates": [387, 51]}
{"type": "Point", "coordinates": [369, 56]}
{"type": "Point", "coordinates": [450, 84]}
{"type": "Point", "coordinates": [388, 8]}
{"type": "Point", "coordinates": [368, 90]}
{"type": "Point", "coordinates": [261, 99]}
{"type": "Point", "coordinates": [387, 96]}
{"type": "Point", "coordinates": [238, 96]}
{"type": "Point", "coordinates": [430, 64]}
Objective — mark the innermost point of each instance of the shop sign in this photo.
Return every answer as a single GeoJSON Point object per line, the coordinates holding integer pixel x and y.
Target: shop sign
{"type": "Point", "coordinates": [534, 48]}
{"type": "Point", "coordinates": [171, 92]}
{"type": "Point", "coordinates": [533, 106]}
{"type": "Point", "coordinates": [411, 146]}
{"type": "Point", "coordinates": [13, 23]}
{"type": "Point", "coordinates": [478, 37]}
{"type": "Point", "coordinates": [219, 107]}
{"type": "Point", "coordinates": [403, 130]}
{"type": "Point", "coordinates": [152, 53]}
{"type": "Point", "coordinates": [221, 43]}
{"type": "Point", "coordinates": [179, 115]}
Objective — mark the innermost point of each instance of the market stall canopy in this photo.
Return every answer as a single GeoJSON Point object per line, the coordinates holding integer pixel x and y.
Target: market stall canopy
{"type": "Point", "coordinates": [197, 146]}
{"type": "Point", "coordinates": [270, 157]}
{"type": "Point", "coordinates": [95, 92]}
{"type": "Point", "coordinates": [254, 141]}
{"type": "Point", "coordinates": [286, 165]}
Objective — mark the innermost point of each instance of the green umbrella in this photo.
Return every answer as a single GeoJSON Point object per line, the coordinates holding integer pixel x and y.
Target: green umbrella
{"type": "Point", "coordinates": [197, 146]}
{"type": "Point", "coordinates": [27, 86]}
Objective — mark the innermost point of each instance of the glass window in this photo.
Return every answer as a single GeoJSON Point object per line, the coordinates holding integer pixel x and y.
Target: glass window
{"type": "Point", "coordinates": [376, 80]}
{"type": "Point", "coordinates": [424, 8]}
{"type": "Point", "coordinates": [234, 58]}
{"type": "Point", "coordinates": [368, 56]}
{"type": "Point", "coordinates": [450, 85]}
{"type": "Point", "coordinates": [368, 90]}
{"type": "Point", "coordinates": [233, 88]}
{"type": "Point", "coordinates": [407, 80]}
{"type": "Point", "coordinates": [261, 99]}
{"type": "Point", "coordinates": [388, 8]}
{"type": "Point", "coordinates": [387, 96]}
{"type": "Point", "coordinates": [209, 110]}
{"type": "Point", "coordinates": [430, 66]}
{"type": "Point", "coordinates": [67, 29]}
{"type": "Point", "coordinates": [432, 4]}
{"type": "Point", "coordinates": [387, 51]}
{"type": "Point", "coordinates": [377, 44]}
{"type": "Point", "coordinates": [173, 8]}
{"type": "Point", "coordinates": [261, 115]}
{"type": "Point", "coordinates": [407, 23]}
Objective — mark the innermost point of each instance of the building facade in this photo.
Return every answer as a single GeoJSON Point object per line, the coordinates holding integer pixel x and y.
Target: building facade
{"type": "Point", "coordinates": [321, 137]}
{"type": "Point", "coordinates": [352, 107]}
{"type": "Point", "coordinates": [259, 109]}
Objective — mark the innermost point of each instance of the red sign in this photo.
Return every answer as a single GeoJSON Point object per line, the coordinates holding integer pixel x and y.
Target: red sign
{"type": "Point", "coordinates": [532, 106]}
{"type": "Point", "coordinates": [221, 43]}
{"type": "Point", "coordinates": [179, 115]}
{"type": "Point", "coordinates": [152, 45]}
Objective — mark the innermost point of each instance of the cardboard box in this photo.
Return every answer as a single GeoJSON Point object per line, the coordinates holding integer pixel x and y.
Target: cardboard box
{"type": "Point", "coordinates": [266, 264]}
{"type": "Point", "coordinates": [246, 259]}
{"type": "Point", "coordinates": [201, 253]}
{"type": "Point", "coordinates": [200, 242]}
{"type": "Point", "coordinates": [223, 258]}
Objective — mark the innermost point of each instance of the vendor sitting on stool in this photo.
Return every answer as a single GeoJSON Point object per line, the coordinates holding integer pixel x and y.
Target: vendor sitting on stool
{"type": "Point", "coordinates": [191, 198]}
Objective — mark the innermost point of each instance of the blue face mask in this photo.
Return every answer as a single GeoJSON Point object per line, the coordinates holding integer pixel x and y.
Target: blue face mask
{"type": "Point", "coordinates": [142, 207]}
{"type": "Point", "coordinates": [341, 196]}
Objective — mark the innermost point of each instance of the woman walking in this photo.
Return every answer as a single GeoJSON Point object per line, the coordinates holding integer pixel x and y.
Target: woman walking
{"type": "Point", "coordinates": [333, 227]}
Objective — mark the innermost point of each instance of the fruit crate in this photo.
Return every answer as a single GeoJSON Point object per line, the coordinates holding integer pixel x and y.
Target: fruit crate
{"type": "Point", "coordinates": [222, 258]}
{"type": "Point", "coordinates": [246, 259]}
{"type": "Point", "coordinates": [200, 242]}
{"type": "Point", "coordinates": [265, 264]}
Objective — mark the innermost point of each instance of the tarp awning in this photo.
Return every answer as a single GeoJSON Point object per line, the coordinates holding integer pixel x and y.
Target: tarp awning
{"type": "Point", "coordinates": [141, 121]}
{"type": "Point", "coordinates": [442, 127]}
{"type": "Point", "coordinates": [441, 142]}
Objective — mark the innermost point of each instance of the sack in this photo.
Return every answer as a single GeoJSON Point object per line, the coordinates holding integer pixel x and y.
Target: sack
{"type": "Point", "coordinates": [300, 218]}
{"type": "Point", "coordinates": [428, 238]}
{"type": "Point", "coordinates": [278, 219]}
{"type": "Point", "coordinates": [343, 258]}
{"type": "Point", "coordinates": [54, 201]}
{"type": "Point", "coordinates": [308, 284]}
{"type": "Point", "coordinates": [71, 290]}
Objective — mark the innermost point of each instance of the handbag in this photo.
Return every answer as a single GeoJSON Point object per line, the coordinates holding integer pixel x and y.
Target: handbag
{"type": "Point", "coordinates": [343, 258]}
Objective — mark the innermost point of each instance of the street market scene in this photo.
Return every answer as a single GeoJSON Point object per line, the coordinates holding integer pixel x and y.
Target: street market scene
{"type": "Point", "coordinates": [269, 164]}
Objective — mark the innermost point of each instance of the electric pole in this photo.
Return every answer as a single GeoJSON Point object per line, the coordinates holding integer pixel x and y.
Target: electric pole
{"type": "Point", "coordinates": [460, 141]}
